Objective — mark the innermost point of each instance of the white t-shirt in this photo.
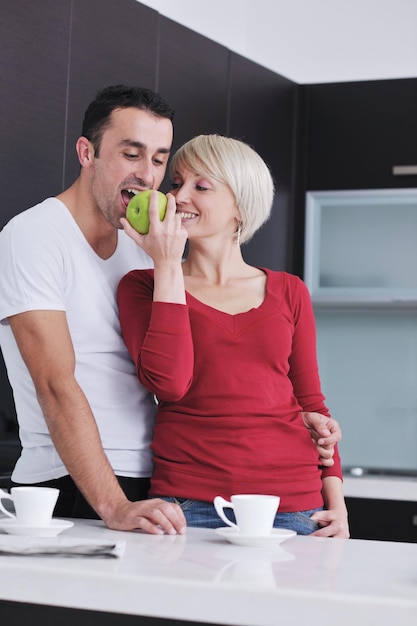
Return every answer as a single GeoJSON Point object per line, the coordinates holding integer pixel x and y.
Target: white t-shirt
{"type": "Point", "coordinates": [47, 264]}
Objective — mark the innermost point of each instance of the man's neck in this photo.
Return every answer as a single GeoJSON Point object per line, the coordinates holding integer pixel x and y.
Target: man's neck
{"type": "Point", "coordinates": [99, 233]}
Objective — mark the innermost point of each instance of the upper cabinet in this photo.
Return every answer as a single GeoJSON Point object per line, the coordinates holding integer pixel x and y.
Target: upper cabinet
{"type": "Point", "coordinates": [352, 136]}
{"type": "Point", "coordinates": [361, 247]}
{"type": "Point", "coordinates": [362, 135]}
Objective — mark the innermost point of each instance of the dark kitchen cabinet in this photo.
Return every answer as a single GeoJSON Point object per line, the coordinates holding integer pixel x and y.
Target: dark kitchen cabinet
{"type": "Point", "coordinates": [351, 136]}
{"type": "Point", "coordinates": [354, 135]}
{"type": "Point", "coordinates": [382, 520]}
{"type": "Point", "coordinates": [357, 133]}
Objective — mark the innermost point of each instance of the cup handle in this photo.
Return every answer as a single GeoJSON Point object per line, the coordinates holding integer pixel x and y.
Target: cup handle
{"type": "Point", "coordinates": [6, 496]}
{"type": "Point", "coordinates": [220, 504]}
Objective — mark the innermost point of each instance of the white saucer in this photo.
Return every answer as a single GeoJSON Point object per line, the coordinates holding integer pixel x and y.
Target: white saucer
{"type": "Point", "coordinates": [277, 536]}
{"type": "Point", "coordinates": [52, 530]}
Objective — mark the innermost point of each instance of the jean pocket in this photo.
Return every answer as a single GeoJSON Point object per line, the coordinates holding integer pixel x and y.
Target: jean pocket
{"type": "Point", "coordinates": [185, 503]}
{"type": "Point", "coordinates": [307, 525]}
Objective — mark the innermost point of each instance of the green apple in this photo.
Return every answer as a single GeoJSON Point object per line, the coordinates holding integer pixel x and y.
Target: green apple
{"type": "Point", "coordinates": [137, 211]}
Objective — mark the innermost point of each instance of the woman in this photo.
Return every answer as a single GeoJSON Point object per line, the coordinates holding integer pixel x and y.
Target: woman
{"type": "Point", "coordinates": [228, 349]}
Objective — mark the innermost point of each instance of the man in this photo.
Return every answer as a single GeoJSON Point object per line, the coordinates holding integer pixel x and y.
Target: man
{"type": "Point", "coordinates": [85, 421]}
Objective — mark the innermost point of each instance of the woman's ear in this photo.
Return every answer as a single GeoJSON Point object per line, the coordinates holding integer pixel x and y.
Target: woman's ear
{"type": "Point", "coordinates": [238, 216]}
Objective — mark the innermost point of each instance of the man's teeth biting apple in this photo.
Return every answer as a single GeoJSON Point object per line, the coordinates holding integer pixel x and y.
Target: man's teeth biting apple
{"type": "Point", "coordinates": [128, 194]}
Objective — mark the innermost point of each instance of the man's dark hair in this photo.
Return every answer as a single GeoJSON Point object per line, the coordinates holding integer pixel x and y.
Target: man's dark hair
{"type": "Point", "coordinates": [97, 115]}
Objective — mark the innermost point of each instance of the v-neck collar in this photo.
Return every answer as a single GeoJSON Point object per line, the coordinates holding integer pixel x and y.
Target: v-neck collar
{"type": "Point", "coordinates": [236, 322]}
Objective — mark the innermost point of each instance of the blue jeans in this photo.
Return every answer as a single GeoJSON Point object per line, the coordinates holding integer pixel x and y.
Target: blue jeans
{"type": "Point", "coordinates": [203, 515]}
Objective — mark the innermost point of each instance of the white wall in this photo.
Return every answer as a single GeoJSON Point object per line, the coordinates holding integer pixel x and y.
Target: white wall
{"type": "Point", "coordinates": [309, 41]}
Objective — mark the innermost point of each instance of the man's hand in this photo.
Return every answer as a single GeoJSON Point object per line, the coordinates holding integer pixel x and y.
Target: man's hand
{"type": "Point", "coordinates": [325, 433]}
{"type": "Point", "coordinates": [154, 516]}
{"type": "Point", "coordinates": [333, 520]}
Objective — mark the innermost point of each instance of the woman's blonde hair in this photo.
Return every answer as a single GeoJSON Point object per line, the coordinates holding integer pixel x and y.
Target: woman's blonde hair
{"type": "Point", "coordinates": [237, 165]}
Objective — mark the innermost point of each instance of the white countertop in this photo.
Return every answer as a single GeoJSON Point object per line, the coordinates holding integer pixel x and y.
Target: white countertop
{"type": "Point", "coordinates": [201, 577]}
{"type": "Point", "coordinates": [381, 487]}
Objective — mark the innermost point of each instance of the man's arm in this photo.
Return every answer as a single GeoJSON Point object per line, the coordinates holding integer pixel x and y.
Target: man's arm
{"type": "Point", "coordinates": [333, 520]}
{"type": "Point", "coordinates": [325, 433]}
{"type": "Point", "coordinates": [45, 344]}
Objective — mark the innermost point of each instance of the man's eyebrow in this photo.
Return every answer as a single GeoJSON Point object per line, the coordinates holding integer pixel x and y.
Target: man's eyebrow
{"type": "Point", "coordinates": [142, 146]}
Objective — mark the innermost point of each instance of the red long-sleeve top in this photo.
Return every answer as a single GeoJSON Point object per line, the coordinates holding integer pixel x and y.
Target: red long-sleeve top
{"type": "Point", "coordinates": [230, 389]}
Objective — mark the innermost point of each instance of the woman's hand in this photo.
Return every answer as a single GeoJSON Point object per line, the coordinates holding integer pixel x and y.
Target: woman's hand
{"type": "Point", "coordinates": [164, 243]}
{"type": "Point", "coordinates": [166, 239]}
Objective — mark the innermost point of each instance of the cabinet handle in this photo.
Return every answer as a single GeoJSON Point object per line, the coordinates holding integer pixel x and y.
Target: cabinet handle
{"type": "Point", "coordinates": [404, 170]}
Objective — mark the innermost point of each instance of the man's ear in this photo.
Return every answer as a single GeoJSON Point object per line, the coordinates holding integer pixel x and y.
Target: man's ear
{"type": "Point", "coordinates": [85, 151]}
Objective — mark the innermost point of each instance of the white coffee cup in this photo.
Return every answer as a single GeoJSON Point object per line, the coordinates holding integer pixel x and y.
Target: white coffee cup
{"type": "Point", "coordinates": [254, 513]}
{"type": "Point", "coordinates": [34, 506]}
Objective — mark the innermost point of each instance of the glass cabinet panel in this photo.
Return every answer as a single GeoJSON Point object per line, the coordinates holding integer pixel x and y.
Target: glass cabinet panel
{"type": "Point", "coordinates": [361, 270]}
{"type": "Point", "coordinates": [368, 369]}
{"type": "Point", "coordinates": [361, 246]}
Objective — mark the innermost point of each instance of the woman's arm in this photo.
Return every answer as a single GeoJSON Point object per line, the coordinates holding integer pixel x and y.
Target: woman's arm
{"type": "Point", "coordinates": [153, 313]}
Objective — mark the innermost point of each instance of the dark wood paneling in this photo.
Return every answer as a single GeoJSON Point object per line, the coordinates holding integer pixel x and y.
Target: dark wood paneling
{"type": "Point", "coordinates": [262, 114]}
{"type": "Point", "coordinates": [111, 43]}
{"type": "Point", "coordinates": [358, 131]}
{"type": "Point", "coordinates": [193, 77]}
{"type": "Point", "coordinates": [34, 41]}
